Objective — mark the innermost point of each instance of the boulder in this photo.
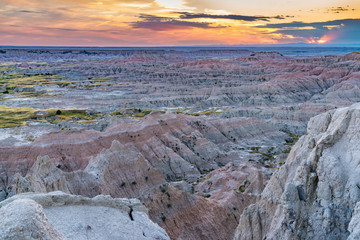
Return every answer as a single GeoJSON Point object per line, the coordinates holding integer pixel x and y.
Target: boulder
{"type": "Point", "coordinates": [60, 216]}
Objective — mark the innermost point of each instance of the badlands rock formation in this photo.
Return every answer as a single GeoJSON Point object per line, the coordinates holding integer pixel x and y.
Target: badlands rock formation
{"type": "Point", "coordinates": [180, 146]}
{"type": "Point", "coordinates": [194, 135]}
{"type": "Point", "coordinates": [159, 160]}
{"type": "Point", "coordinates": [121, 171]}
{"type": "Point", "coordinates": [60, 216]}
{"type": "Point", "coordinates": [316, 194]}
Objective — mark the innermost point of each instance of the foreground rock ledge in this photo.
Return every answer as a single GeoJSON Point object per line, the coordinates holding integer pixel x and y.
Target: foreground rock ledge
{"type": "Point", "coordinates": [60, 216]}
{"type": "Point", "coordinates": [316, 194]}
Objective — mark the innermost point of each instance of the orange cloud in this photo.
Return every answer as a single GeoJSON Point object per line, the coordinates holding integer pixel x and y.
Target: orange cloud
{"type": "Point", "coordinates": [180, 22]}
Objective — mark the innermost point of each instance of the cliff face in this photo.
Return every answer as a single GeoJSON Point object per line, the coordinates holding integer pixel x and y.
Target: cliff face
{"type": "Point", "coordinates": [60, 216]}
{"type": "Point", "coordinates": [315, 194]}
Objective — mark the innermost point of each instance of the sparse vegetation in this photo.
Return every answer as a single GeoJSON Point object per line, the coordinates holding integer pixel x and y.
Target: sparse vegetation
{"type": "Point", "coordinates": [243, 186]}
{"type": "Point", "coordinates": [18, 116]}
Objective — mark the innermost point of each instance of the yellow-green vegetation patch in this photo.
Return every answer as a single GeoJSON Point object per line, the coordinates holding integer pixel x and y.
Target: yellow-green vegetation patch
{"type": "Point", "coordinates": [85, 122]}
{"type": "Point", "coordinates": [4, 69]}
{"type": "Point", "coordinates": [243, 186]}
{"type": "Point", "coordinates": [142, 113]}
{"type": "Point", "coordinates": [15, 116]}
{"type": "Point", "coordinates": [14, 80]}
{"type": "Point", "coordinates": [125, 83]}
{"type": "Point", "coordinates": [6, 64]}
{"type": "Point", "coordinates": [38, 63]}
{"type": "Point", "coordinates": [19, 116]}
{"type": "Point", "coordinates": [90, 86]}
{"type": "Point", "coordinates": [268, 156]}
{"type": "Point", "coordinates": [102, 79]}
{"type": "Point", "coordinates": [132, 112]}
{"type": "Point", "coordinates": [181, 110]}
{"type": "Point", "coordinates": [293, 138]}
{"type": "Point", "coordinates": [66, 83]}
{"type": "Point", "coordinates": [70, 115]}
{"type": "Point", "coordinates": [36, 94]}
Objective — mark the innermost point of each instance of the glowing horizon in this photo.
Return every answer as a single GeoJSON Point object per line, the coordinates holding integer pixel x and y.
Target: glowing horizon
{"type": "Point", "coordinates": [177, 22]}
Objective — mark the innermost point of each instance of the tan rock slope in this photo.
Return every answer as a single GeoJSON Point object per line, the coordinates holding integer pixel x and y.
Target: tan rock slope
{"type": "Point", "coordinates": [60, 216]}
{"type": "Point", "coordinates": [315, 194]}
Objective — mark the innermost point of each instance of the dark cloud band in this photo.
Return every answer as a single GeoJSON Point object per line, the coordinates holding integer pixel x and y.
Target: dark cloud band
{"type": "Point", "coordinates": [187, 15]}
{"type": "Point", "coordinates": [157, 23]}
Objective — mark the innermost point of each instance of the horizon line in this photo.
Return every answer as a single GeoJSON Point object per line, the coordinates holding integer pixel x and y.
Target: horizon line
{"type": "Point", "coordinates": [318, 45]}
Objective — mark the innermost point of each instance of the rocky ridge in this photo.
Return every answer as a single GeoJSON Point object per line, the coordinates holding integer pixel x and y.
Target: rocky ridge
{"type": "Point", "coordinates": [315, 194]}
{"type": "Point", "coordinates": [60, 216]}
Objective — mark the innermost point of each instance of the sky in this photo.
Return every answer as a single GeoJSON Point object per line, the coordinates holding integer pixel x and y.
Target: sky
{"type": "Point", "coordinates": [122, 23]}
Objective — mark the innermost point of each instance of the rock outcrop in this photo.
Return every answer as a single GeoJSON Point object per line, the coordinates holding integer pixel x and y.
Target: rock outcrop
{"type": "Point", "coordinates": [122, 172]}
{"type": "Point", "coordinates": [60, 216]}
{"type": "Point", "coordinates": [315, 194]}
{"type": "Point", "coordinates": [25, 219]}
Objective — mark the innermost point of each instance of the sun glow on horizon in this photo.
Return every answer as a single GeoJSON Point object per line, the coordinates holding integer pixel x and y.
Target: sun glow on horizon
{"type": "Point", "coordinates": [176, 22]}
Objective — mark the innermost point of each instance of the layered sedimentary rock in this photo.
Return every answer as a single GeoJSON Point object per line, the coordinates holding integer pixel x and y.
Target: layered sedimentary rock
{"type": "Point", "coordinates": [315, 194]}
{"type": "Point", "coordinates": [285, 91]}
{"type": "Point", "coordinates": [122, 172]}
{"type": "Point", "coordinates": [180, 146]}
{"type": "Point", "coordinates": [167, 161]}
{"type": "Point", "coordinates": [60, 216]}
{"type": "Point", "coordinates": [192, 172]}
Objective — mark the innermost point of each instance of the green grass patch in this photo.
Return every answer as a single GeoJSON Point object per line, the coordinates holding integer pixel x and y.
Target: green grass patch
{"type": "Point", "coordinates": [25, 81]}
{"type": "Point", "coordinates": [131, 112]}
{"type": "Point", "coordinates": [19, 116]}
{"type": "Point", "coordinates": [102, 79]}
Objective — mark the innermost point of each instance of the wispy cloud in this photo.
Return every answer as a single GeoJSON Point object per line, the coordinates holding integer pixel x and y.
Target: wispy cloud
{"type": "Point", "coordinates": [340, 9]}
{"type": "Point", "coordinates": [341, 31]}
{"type": "Point", "coordinates": [28, 11]}
{"type": "Point", "coordinates": [316, 25]}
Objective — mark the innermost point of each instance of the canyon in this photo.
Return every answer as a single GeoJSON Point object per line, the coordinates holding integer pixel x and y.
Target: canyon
{"type": "Point", "coordinates": [201, 143]}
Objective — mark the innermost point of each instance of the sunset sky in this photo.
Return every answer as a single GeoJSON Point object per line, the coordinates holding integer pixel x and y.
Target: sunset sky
{"type": "Point", "coordinates": [178, 22]}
